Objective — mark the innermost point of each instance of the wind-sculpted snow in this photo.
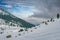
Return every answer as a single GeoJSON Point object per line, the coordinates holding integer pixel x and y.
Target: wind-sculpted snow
{"type": "Point", "coordinates": [47, 32]}
{"type": "Point", "coordinates": [41, 32]}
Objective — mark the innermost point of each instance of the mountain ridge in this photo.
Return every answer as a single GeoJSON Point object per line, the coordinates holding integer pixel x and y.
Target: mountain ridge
{"type": "Point", "coordinates": [14, 20]}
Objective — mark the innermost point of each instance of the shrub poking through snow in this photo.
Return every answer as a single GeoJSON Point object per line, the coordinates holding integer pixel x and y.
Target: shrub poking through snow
{"type": "Point", "coordinates": [51, 19]}
{"type": "Point", "coordinates": [20, 30]}
{"type": "Point", "coordinates": [43, 22]}
{"type": "Point", "coordinates": [1, 32]}
{"type": "Point", "coordinates": [8, 36]}
{"type": "Point", "coordinates": [2, 28]}
{"type": "Point", "coordinates": [46, 23]}
{"type": "Point", "coordinates": [47, 20]}
{"type": "Point", "coordinates": [19, 34]}
{"type": "Point", "coordinates": [26, 30]}
{"type": "Point", "coordinates": [31, 31]}
{"type": "Point", "coordinates": [35, 27]}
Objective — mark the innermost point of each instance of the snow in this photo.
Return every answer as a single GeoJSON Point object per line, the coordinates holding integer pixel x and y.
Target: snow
{"type": "Point", "coordinates": [2, 22]}
{"type": "Point", "coordinates": [41, 32]}
{"type": "Point", "coordinates": [0, 11]}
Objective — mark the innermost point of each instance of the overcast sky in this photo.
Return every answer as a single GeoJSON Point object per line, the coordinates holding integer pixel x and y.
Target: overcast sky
{"type": "Point", "coordinates": [32, 8]}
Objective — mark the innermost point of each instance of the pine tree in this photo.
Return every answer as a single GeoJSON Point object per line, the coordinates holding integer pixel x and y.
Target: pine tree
{"type": "Point", "coordinates": [58, 15]}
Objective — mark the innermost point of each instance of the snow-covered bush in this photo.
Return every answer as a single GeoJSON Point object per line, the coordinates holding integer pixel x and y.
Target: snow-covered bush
{"type": "Point", "coordinates": [46, 23]}
{"type": "Point", "coordinates": [20, 30]}
{"type": "Point", "coordinates": [8, 36]}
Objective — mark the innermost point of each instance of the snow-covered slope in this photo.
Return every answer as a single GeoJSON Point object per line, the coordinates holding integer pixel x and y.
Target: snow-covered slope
{"type": "Point", "coordinates": [41, 32]}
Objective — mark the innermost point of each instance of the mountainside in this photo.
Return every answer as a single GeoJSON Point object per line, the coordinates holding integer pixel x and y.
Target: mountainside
{"type": "Point", "coordinates": [51, 31]}
{"type": "Point", "coordinates": [12, 20]}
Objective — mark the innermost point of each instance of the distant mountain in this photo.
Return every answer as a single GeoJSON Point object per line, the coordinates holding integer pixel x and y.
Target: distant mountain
{"type": "Point", "coordinates": [12, 20]}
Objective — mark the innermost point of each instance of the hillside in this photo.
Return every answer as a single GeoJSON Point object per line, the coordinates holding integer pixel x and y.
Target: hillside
{"type": "Point", "coordinates": [12, 20]}
{"type": "Point", "coordinates": [51, 31]}
{"type": "Point", "coordinates": [45, 32]}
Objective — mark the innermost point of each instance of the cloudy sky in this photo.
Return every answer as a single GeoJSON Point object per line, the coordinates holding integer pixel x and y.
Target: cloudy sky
{"type": "Point", "coordinates": [32, 8]}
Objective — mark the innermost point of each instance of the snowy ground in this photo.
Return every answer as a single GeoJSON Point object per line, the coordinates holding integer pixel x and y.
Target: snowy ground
{"type": "Point", "coordinates": [42, 32]}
